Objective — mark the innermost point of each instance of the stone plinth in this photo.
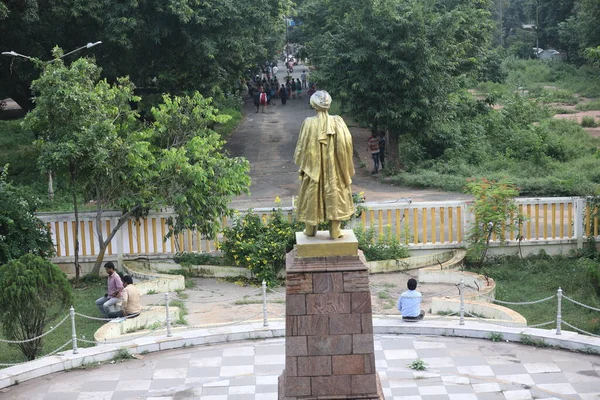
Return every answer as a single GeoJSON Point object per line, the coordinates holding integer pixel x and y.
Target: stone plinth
{"type": "Point", "coordinates": [329, 327]}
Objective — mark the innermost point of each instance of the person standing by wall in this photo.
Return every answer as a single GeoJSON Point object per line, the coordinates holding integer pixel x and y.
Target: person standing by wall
{"type": "Point", "coordinates": [373, 147]}
{"type": "Point", "coordinates": [382, 144]}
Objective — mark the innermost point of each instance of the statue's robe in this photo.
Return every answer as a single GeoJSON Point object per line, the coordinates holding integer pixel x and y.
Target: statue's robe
{"type": "Point", "coordinates": [324, 155]}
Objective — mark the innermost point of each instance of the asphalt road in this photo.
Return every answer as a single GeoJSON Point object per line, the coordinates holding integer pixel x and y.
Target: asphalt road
{"type": "Point", "coordinates": [268, 141]}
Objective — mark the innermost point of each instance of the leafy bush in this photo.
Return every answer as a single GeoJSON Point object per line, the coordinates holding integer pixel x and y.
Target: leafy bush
{"type": "Point", "coordinates": [495, 214]}
{"type": "Point", "coordinates": [589, 122]}
{"type": "Point", "coordinates": [33, 292]}
{"type": "Point", "coordinates": [593, 271]}
{"type": "Point", "coordinates": [187, 259]}
{"type": "Point", "coordinates": [376, 247]}
{"type": "Point", "coordinates": [260, 247]}
{"type": "Point", "coordinates": [589, 106]}
{"type": "Point", "coordinates": [555, 96]}
{"type": "Point", "coordinates": [21, 231]}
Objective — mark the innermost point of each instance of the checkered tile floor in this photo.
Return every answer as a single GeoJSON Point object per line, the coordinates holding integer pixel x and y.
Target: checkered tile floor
{"type": "Point", "coordinates": [458, 369]}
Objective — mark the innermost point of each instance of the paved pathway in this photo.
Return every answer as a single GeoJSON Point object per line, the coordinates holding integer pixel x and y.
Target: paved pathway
{"type": "Point", "coordinates": [458, 369]}
{"type": "Point", "coordinates": [268, 142]}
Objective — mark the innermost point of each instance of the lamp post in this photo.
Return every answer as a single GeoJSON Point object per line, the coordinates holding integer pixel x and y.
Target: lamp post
{"type": "Point", "coordinates": [287, 48]}
{"type": "Point", "coordinates": [15, 54]}
{"type": "Point", "coordinates": [36, 61]}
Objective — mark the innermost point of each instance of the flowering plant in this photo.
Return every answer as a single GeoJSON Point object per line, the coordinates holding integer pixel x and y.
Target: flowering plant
{"type": "Point", "coordinates": [260, 247]}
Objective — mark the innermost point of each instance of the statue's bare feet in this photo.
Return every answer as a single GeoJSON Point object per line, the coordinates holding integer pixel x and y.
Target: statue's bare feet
{"type": "Point", "coordinates": [335, 229]}
{"type": "Point", "coordinates": [310, 230]}
{"type": "Point", "coordinates": [335, 235]}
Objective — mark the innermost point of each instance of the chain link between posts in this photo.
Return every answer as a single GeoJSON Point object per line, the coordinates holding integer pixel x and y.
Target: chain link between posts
{"type": "Point", "coordinates": [508, 325]}
{"type": "Point", "coordinates": [580, 304]}
{"type": "Point", "coordinates": [514, 303]}
{"type": "Point", "coordinates": [40, 358]}
{"type": "Point", "coordinates": [37, 337]}
{"type": "Point", "coordinates": [578, 329]}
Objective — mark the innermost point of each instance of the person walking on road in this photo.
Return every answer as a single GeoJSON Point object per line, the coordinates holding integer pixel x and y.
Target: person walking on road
{"type": "Point", "coordinates": [373, 146]}
{"type": "Point", "coordinates": [304, 77]}
{"type": "Point", "coordinates": [256, 99]}
{"type": "Point", "coordinates": [293, 88]}
{"type": "Point", "coordinates": [260, 100]}
{"type": "Point", "coordinates": [299, 88]}
{"type": "Point", "coordinates": [283, 96]}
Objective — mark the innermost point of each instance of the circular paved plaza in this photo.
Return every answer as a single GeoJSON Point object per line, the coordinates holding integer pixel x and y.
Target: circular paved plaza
{"type": "Point", "coordinates": [457, 369]}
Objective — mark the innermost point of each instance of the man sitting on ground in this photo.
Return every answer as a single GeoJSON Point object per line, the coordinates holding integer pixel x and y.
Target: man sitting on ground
{"type": "Point", "coordinates": [130, 300]}
{"type": "Point", "coordinates": [409, 303]}
{"type": "Point", "coordinates": [114, 289]}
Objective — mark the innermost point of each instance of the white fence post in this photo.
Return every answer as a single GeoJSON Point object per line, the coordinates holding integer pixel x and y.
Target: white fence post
{"type": "Point", "coordinates": [462, 302]}
{"type": "Point", "coordinates": [120, 245]}
{"type": "Point", "coordinates": [579, 220]}
{"type": "Point", "coordinates": [558, 311]}
{"type": "Point", "coordinates": [73, 330]}
{"type": "Point", "coordinates": [169, 334]}
{"type": "Point", "coordinates": [466, 220]}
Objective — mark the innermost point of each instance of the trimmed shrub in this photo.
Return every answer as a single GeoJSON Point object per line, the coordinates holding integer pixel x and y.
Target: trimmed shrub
{"type": "Point", "coordinates": [33, 292]}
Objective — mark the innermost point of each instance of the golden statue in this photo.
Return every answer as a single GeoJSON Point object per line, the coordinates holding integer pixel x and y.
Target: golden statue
{"type": "Point", "coordinates": [324, 155]}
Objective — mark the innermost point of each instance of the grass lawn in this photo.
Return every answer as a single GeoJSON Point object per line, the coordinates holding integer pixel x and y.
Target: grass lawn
{"type": "Point", "coordinates": [534, 278]}
{"type": "Point", "coordinates": [84, 296]}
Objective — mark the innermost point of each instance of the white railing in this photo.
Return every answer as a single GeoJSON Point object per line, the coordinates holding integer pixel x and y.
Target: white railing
{"type": "Point", "coordinates": [423, 224]}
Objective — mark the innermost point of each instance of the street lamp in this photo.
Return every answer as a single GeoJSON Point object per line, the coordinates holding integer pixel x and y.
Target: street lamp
{"type": "Point", "coordinates": [35, 60]}
{"type": "Point", "coordinates": [15, 54]}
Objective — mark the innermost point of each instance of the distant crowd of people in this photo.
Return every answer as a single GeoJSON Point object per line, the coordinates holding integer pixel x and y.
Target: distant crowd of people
{"type": "Point", "coordinates": [265, 88]}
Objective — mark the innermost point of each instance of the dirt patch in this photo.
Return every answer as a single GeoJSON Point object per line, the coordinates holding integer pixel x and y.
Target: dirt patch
{"type": "Point", "coordinates": [594, 132]}
{"type": "Point", "coordinates": [213, 301]}
{"type": "Point", "coordinates": [578, 116]}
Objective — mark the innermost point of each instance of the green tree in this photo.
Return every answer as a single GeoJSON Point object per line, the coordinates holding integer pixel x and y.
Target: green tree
{"type": "Point", "coordinates": [581, 30]}
{"type": "Point", "coordinates": [76, 120]}
{"type": "Point", "coordinates": [592, 55]}
{"type": "Point", "coordinates": [33, 293]}
{"type": "Point", "coordinates": [89, 135]}
{"type": "Point", "coordinates": [21, 232]}
{"type": "Point", "coordinates": [395, 62]}
{"type": "Point", "coordinates": [177, 162]}
{"type": "Point", "coordinates": [164, 46]}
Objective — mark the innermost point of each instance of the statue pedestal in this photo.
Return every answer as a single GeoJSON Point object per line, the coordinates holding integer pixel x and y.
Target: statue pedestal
{"type": "Point", "coordinates": [329, 326]}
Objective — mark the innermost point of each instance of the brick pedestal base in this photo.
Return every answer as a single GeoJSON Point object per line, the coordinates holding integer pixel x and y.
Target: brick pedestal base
{"type": "Point", "coordinates": [329, 329]}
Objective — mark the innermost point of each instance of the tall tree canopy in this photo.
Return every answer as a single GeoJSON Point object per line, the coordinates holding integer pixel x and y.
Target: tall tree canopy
{"type": "Point", "coordinates": [170, 45]}
{"type": "Point", "coordinates": [395, 62]}
{"type": "Point", "coordinates": [88, 134]}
